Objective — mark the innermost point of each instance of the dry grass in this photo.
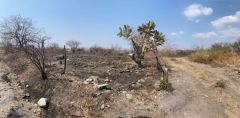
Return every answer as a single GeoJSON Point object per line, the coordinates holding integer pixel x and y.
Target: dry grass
{"type": "Point", "coordinates": [215, 56]}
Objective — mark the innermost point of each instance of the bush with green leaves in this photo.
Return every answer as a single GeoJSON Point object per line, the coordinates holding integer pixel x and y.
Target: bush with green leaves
{"type": "Point", "coordinates": [146, 38]}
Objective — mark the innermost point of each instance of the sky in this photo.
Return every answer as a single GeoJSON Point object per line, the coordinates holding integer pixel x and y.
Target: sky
{"type": "Point", "coordinates": [185, 23]}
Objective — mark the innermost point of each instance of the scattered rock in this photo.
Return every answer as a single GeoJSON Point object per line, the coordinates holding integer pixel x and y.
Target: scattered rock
{"type": "Point", "coordinates": [27, 95]}
{"type": "Point", "coordinates": [157, 85]}
{"type": "Point", "coordinates": [102, 107]}
{"type": "Point", "coordinates": [141, 81]}
{"type": "Point", "coordinates": [91, 80]}
{"type": "Point", "coordinates": [136, 85]}
{"type": "Point", "coordinates": [27, 86]}
{"type": "Point", "coordinates": [96, 94]}
{"type": "Point", "coordinates": [70, 80]}
{"type": "Point", "coordinates": [103, 87]}
{"type": "Point", "coordinates": [129, 96]}
{"type": "Point", "coordinates": [43, 102]}
{"type": "Point", "coordinates": [20, 87]}
{"type": "Point", "coordinates": [85, 82]}
{"type": "Point", "coordinates": [107, 80]}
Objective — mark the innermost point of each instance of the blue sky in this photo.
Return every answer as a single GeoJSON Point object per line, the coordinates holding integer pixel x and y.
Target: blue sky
{"type": "Point", "coordinates": [186, 23]}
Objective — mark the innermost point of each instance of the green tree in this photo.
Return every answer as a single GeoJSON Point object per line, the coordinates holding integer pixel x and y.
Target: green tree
{"type": "Point", "coordinates": [147, 39]}
{"type": "Point", "coordinates": [127, 32]}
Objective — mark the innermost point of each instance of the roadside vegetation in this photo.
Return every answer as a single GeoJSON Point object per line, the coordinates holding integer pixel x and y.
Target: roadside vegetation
{"type": "Point", "coordinates": [219, 53]}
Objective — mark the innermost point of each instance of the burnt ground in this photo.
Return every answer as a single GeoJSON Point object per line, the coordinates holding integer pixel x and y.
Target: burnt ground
{"type": "Point", "coordinates": [135, 91]}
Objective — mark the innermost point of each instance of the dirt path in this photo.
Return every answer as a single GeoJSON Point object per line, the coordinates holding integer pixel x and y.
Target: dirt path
{"type": "Point", "coordinates": [205, 98]}
{"type": "Point", "coordinates": [194, 95]}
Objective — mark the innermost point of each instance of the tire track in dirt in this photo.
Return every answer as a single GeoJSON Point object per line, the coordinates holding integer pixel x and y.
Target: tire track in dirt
{"type": "Point", "coordinates": [208, 76]}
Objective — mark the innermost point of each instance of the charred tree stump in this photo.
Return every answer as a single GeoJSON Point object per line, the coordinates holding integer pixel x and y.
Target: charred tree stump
{"type": "Point", "coordinates": [65, 60]}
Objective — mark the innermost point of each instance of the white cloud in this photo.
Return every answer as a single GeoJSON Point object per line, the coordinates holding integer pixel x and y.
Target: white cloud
{"type": "Point", "coordinates": [173, 33]}
{"type": "Point", "coordinates": [177, 33]}
{"type": "Point", "coordinates": [195, 10]}
{"type": "Point", "coordinates": [206, 35]}
{"type": "Point", "coordinates": [230, 33]}
{"type": "Point", "coordinates": [226, 20]}
{"type": "Point", "coordinates": [227, 33]}
{"type": "Point", "coordinates": [181, 32]}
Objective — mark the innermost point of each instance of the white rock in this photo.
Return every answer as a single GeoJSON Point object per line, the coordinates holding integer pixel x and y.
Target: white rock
{"type": "Point", "coordinates": [107, 80]}
{"type": "Point", "coordinates": [129, 96]}
{"type": "Point", "coordinates": [42, 102]}
{"type": "Point", "coordinates": [85, 82]}
{"type": "Point", "coordinates": [89, 80]}
{"type": "Point", "coordinates": [102, 86]}
{"type": "Point", "coordinates": [141, 80]}
{"type": "Point", "coordinates": [102, 106]}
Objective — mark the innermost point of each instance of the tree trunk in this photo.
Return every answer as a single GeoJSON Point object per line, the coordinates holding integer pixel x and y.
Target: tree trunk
{"type": "Point", "coordinates": [160, 64]}
{"type": "Point", "coordinates": [136, 57]}
{"type": "Point", "coordinates": [65, 60]}
{"type": "Point", "coordinates": [44, 75]}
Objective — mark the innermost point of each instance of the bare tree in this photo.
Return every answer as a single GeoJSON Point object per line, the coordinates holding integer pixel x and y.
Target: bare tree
{"type": "Point", "coordinates": [18, 30]}
{"type": "Point", "coordinates": [36, 53]}
{"type": "Point", "coordinates": [53, 46]}
{"type": "Point", "coordinates": [21, 33]}
{"type": "Point", "coordinates": [73, 44]}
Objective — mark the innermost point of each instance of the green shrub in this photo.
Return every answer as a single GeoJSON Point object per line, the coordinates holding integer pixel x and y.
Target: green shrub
{"type": "Point", "coordinates": [163, 85]}
{"type": "Point", "coordinates": [220, 84]}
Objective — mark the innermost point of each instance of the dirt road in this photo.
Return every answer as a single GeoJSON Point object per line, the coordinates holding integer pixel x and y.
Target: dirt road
{"type": "Point", "coordinates": [196, 83]}
{"type": "Point", "coordinates": [194, 95]}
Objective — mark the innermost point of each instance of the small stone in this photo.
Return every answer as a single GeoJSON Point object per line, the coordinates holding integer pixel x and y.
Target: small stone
{"type": "Point", "coordinates": [27, 86]}
{"type": "Point", "coordinates": [70, 80]}
{"type": "Point", "coordinates": [43, 102]}
{"type": "Point", "coordinates": [129, 96]}
{"type": "Point", "coordinates": [157, 86]}
{"type": "Point", "coordinates": [96, 94]}
{"type": "Point", "coordinates": [89, 80]}
{"type": "Point", "coordinates": [141, 80]}
{"type": "Point", "coordinates": [103, 86]}
{"type": "Point", "coordinates": [27, 95]}
{"type": "Point", "coordinates": [85, 82]}
{"type": "Point", "coordinates": [102, 107]}
{"type": "Point", "coordinates": [106, 80]}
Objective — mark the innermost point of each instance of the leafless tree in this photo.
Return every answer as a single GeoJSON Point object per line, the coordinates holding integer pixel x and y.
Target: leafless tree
{"type": "Point", "coordinates": [18, 30]}
{"type": "Point", "coordinates": [21, 33]}
{"type": "Point", "coordinates": [54, 46]}
{"type": "Point", "coordinates": [36, 53]}
{"type": "Point", "coordinates": [73, 44]}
